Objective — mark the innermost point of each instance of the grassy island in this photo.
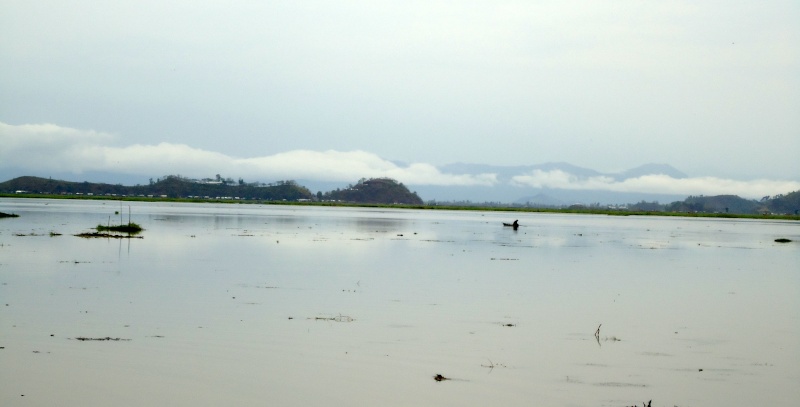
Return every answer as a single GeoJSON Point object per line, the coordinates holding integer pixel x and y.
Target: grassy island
{"type": "Point", "coordinates": [130, 227]}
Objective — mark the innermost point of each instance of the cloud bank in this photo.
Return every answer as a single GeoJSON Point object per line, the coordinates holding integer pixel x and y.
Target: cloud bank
{"type": "Point", "coordinates": [47, 147]}
{"type": "Point", "coordinates": [656, 184]}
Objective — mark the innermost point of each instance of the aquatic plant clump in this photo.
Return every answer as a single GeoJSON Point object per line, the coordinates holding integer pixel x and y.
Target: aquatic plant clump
{"type": "Point", "coordinates": [130, 227]}
{"type": "Point", "coordinates": [108, 235]}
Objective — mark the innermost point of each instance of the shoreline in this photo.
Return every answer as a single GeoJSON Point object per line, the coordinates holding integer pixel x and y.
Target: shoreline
{"type": "Point", "coordinates": [516, 209]}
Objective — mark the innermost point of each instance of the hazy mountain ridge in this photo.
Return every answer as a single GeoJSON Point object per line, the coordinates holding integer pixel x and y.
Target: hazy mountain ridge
{"type": "Point", "coordinates": [374, 190]}
{"type": "Point", "coordinates": [506, 173]}
{"type": "Point", "coordinates": [507, 190]}
{"type": "Point", "coordinates": [784, 204]}
{"type": "Point", "coordinates": [649, 169]}
{"type": "Point", "coordinates": [550, 184]}
{"type": "Point", "coordinates": [717, 204]}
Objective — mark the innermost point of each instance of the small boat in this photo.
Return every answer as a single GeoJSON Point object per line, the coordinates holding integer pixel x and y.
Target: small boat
{"type": "Point", "coordinates": [514, 225]}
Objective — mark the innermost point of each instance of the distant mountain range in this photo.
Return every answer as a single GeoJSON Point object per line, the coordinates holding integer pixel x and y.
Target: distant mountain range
{"type": "Point", "coordinates": [507, 191]}
{"type": "Point", "coordinates": [505, 173]}
{"type": "Point", "coordinates": [374, 190]}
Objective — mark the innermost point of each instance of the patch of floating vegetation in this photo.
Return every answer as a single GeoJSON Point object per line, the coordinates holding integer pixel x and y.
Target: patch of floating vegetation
{"type": "Point", "coordinates": [89, 235]}
{"type": "Point", "coordinates": [130, 227]}
{"type": "Point", "coordinates": [339, 318]}
{"type": "Point", "coordinates": [619, 384]}
{"type": "Point", "coordinates": [107, 338]}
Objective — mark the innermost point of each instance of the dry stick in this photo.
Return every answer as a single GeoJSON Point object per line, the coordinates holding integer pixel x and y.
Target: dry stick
{"type": "Point", "coordinates": [597, 335]}
{"type": "Point", "coordinates": [490, 366]}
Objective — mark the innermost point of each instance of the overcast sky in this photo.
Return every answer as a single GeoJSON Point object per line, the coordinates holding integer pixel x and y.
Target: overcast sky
{"type": "Point", "coordinates": [396, 88]}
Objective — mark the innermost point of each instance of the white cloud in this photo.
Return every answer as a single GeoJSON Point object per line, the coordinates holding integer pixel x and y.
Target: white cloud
{"type": "Point", "coordinates": [48, 146]}
{"type": "Point", "coordinates": [52, 148]}
{"type": "Point", "coordinates": [656, 184]}
{"type": "Point", "coordinates": [468, 80]}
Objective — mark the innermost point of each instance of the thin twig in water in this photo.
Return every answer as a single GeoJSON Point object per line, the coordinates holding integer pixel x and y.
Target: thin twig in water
{"type": "Point", "coordinates": [597, 335]}
{"type": "Point", "coordinates": [107, 338]}
{"type": "Point", "coordinates": [492, 365]}
{"type": "Point", "coordinates": [340, 318]}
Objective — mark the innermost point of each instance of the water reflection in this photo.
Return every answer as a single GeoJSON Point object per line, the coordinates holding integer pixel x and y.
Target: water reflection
{"type": "Point", "coordinates": [368, 305]}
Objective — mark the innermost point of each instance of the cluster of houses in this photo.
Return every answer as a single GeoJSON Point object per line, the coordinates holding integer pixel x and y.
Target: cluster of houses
{"type": "Point", "coordinates": [93, 194]}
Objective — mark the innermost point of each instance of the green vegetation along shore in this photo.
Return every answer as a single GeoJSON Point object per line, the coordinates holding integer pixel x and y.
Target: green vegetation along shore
{"type": "Point", "coordinates": [380, 192]}
{"type": "Point", "coordinates": [515, 209]}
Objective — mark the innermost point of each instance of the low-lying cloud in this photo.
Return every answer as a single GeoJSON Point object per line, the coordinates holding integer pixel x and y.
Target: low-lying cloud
{"type": "Point", "coordinates": [656, 184]}
{"type": "Point", "coordinates": [42, 148]}
{"type": "Point", "coordinates": [48, 147]}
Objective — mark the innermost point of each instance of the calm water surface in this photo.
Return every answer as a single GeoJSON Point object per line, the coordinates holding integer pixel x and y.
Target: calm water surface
{"type": "Point", "coordinates": [300, 306]}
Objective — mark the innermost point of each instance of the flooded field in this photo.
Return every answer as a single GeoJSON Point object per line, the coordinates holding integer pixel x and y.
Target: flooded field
{"type": "Point", "coordinates": [300, 306]}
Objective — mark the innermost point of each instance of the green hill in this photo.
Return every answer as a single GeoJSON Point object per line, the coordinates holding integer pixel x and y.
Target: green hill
{"type": "Point", "coordinates": [789, 203]}
{"type": "Point", "coordinates": [780, 204]}
{"type": "Point", "coordinates": [38, 185]}
{"type": "Point", "coordinates": [169, 187]}
{"type": "Point", "coordinates": [715, 204]}
{"type": "Point", "coordinates": [375, 191]}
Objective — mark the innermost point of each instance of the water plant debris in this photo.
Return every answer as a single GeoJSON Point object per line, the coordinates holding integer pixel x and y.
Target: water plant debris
{"type": "Point", "coordinates": [107, 338]}
{"type": "Point", "coordinates": [339, 318]}
{"type": "Point", "coordinates": [107, 235]}
{"type": "Point", "coordinates": [130, 227]}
